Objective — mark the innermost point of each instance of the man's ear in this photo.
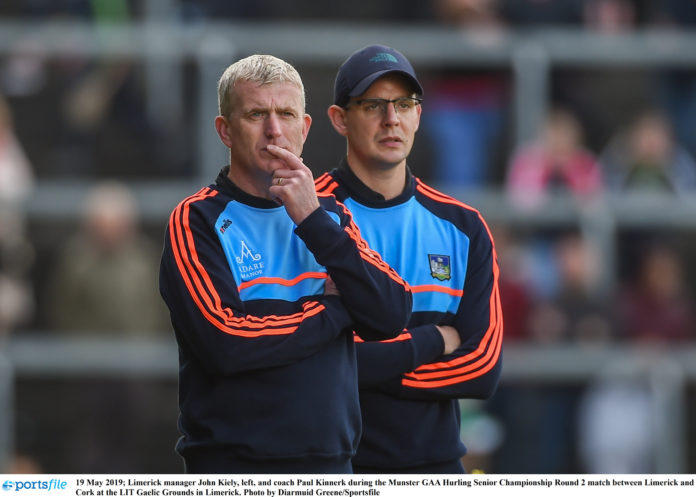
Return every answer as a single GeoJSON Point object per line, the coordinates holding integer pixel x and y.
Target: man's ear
{"type": "Point", "coordinates": [337, 116]}
{"type": "Point", "coordinates": [223, 130]}
{"type": "Point", "coordinates": [307, 122]}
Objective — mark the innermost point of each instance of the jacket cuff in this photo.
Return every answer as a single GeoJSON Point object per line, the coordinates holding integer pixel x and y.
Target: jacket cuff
{"type": "Point", "coordinates": [428, 344]}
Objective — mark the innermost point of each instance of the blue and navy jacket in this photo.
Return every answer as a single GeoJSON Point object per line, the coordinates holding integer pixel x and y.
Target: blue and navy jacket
{"type": "Point", "coordinates": [408, 390]}
{"type": "Point", "coordinates": [267, 361]}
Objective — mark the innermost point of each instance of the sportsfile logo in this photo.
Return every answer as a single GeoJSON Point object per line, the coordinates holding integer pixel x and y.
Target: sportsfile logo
{"type": "Point", "coordinates": [45, 485]}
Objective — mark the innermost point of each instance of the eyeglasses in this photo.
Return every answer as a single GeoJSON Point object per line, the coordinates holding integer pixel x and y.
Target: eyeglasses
{"type": "Point", "coordinates": [378, 106]}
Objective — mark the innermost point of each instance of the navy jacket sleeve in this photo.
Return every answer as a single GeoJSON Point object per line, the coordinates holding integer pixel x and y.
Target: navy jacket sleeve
{"type": "Point", "coordinates": [473, 370]}
{"type": "Point", "coordinates": [225, 334]}
{"type": "Point", "coordinates": [376, 296]}
{"type": "Point", "coordinates": [388, 360]}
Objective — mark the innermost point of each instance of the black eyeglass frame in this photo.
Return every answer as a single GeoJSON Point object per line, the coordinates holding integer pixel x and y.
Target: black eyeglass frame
{"type": "Point", "coordinates": [383, 102]}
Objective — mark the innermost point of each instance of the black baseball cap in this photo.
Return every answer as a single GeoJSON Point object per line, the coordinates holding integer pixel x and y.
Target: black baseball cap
{"type": "Point", "coordinates": [364, 66]}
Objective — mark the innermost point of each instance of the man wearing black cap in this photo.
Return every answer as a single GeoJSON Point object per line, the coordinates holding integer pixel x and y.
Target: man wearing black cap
{"type": "Point", "coordinates": [451, 349]}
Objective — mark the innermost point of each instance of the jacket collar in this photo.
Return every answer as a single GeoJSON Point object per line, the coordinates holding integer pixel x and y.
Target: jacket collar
{"type": "Point", "coordinates": [364, 194]}
{"type": "Point", "coordinates": [225, 184]}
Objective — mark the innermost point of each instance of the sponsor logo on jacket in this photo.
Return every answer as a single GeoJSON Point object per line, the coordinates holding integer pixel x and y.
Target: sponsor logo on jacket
{"type": "Point", "coordinates": [249, 263]}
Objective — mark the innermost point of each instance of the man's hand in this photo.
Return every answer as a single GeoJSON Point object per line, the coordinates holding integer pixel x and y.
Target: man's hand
{"type": "Point", "coordinates": [451, 337]}
{"type": "Point", "coordinates": [293, 186]}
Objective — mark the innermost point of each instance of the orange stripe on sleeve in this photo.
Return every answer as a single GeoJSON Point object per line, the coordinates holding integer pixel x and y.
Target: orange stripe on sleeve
{"type": "Point", "coordinates": [325, 184]}
{"type": "Point", "coordinates": [488, 346]}
{"type": "Point", "coordinates": [462, 377]}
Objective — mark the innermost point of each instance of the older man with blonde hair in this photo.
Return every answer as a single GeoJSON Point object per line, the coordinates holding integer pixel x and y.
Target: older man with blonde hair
{"type": "Point", "coordinates": [265, 282]}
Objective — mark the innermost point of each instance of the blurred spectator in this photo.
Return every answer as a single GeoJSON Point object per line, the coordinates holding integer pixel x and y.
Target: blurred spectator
{"type": "Point", "coordinates": [16, 252]}
{"type": "Point", "coordinates": [16, 258]}
{"type": "Point", "coordinates": [90, 98]}
{"type": "Point", "coordinates": [466, 107]}
{"type": "Point", "coordinates": [104, 283]}
{"type": "Point", "coordinates": [610, 16]}
{"type": "Point", "coordinates": [646, 157]}
{"type": "Point", "coordinates": [576, 312]}
{"type": "Point", "coordinates": [16, 173]}
{"type": "Point", "coordinates": [557, 162]}
{"type": "Point", "coordinates": [105, 279]}
{"type": "Point", "coordinates": [658, 305]}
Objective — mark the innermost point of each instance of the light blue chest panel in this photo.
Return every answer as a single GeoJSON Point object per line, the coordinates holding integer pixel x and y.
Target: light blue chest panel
{"type": "Point", "coordinates": [428, 252]}
{"type": "Point", "coordinates": [268, 260]}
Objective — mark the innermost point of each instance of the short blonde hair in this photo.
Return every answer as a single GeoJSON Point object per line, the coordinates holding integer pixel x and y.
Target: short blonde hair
{"type": "Point", "coordinates": [262, 69]}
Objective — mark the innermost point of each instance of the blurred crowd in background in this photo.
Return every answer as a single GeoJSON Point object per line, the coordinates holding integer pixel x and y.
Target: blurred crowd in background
{"type": "Point", "coordinates": [606, 132]}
